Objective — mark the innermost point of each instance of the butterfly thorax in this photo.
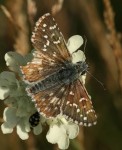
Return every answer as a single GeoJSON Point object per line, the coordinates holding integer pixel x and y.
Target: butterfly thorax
{"type": "Point", "coordinates": [67, 74]}
{"type": "Point", "coordinates": [72, 71]}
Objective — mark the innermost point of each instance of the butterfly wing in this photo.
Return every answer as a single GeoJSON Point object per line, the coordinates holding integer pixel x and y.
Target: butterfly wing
{"type": "Point", "coordinates": [48, 102]}
{"type": "Point", "coordinates": [78, 106]}
{"type": "Point", "coordinates": [40, 67]}
{"type": "Point", "coordinates": [48, 39]}
{"type": "Point", "coordinates": [71, 100]}
{"type": "Point", "coordinates": [50, 50]}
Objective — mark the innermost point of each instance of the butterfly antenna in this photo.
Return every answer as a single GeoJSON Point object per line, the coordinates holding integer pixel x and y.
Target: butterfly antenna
{"type": "Point", "coordinates": [97, 80]}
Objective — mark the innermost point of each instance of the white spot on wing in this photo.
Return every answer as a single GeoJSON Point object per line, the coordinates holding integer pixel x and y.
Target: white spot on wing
{"type": "Point", "coordinates": [43, 99]}
{"type": "Point", "coordinates": [75, 105]}
{"type": "Point", "coordinates": [55, 99]}
{"type": "Point", "coordinates": [44, 49]}
{"type": "Point", "coordinates": [45, 36]}
{"type": "Point", "coordinates": [71, 93]}
{"type": "Point", "coordinates": [47, 14]}
{"type": "Point", "coordinates": [56, 108]}
{"type": "Point", "coordinates": [67, 102]}
{"type": "Point", "coordinates": [78, 110]}
{"type": "Point", "coordinates": [70, 105]}
{"type": "Point", "coordinates": [50, 94]}
{"type": "Point", "coordinates": [84, 118]}
{"type": "Point", "coordinates": [38, 23]}
{"type": "Point", "coordinates": [90, 110]}
{"type": "Point", "coordinates": [56, 42]}
{"type": "Point", "coordinates": [48, 42]}
{"type": "Point", "coordinates": [52, 35]}
{"type": "Point", "coordinates": [44, 25]}
{"type": "Point", "coordinates": [45, 46]}
{"type": "Point", "coordinates": [54, 54]}
{"type": "Point", "coordinates": [52, 27]}
{"type": "Point", "coordinates": [82, 99]}
{"type": "Point", "coordinates": [81, 115]}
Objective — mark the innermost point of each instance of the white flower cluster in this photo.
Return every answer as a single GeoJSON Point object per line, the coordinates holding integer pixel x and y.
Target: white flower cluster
{"type": "Point", "coordinates": [20, 107]}
{"type": "Point", "coordinates": [12, 91]}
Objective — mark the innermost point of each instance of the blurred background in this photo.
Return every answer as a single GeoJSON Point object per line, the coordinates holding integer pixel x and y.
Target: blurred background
{"type": "Point", "coordinates": [100, 21]}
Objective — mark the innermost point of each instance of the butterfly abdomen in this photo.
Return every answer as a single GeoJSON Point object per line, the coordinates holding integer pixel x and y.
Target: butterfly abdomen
{"type": "Point", "coordinates": [63, 76]}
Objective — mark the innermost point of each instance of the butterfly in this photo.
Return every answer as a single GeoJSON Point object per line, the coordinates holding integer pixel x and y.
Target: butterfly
{"type": "Point", "coordinates": [53, 81]}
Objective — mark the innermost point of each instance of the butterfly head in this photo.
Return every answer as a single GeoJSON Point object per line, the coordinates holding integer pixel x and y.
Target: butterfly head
{"type": "Point", "coordinates": [82, 67]}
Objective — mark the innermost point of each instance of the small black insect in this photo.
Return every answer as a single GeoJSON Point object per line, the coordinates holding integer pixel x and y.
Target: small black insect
{"type": "Point", "coordinates": [34, 119]}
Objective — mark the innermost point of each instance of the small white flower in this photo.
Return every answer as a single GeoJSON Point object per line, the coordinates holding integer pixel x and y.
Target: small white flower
{"type": "Point", "coordinates": [15, 60]}
{"type": "Point", "coordinates": [38, 129]}
{"type": "Point", "coordinates": [20, 105]}
{"type": "Point", "coordinates": [78, 56]}
{"type": "Point", "coordinates": [23, 134]}
{"type": "Point", "coordinates": [6, 128]}
{"type": "Point", "coordinates": [7, 84]}
{"type": "Point", "coordinates": [61, 131]}
{"type": "Point", "coordinates": [10, 120]}
{"type": "Point", "coordinates": [4, 92]}
{"type": "Point", "coordinates": [74, 43]}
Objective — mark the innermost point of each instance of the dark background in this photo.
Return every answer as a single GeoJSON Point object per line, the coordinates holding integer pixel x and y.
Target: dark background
{"type": "Point", "coordinates": [101, 22]}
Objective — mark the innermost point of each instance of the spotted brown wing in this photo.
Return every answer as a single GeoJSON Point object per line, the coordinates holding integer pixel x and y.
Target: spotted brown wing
{"type": "Point", "coordinates": [71, 100]}
{"type": "Point", "coordinates": [50, 50]}
{"type": "Point", "coordinates": [48, 39]}
{"type": "Point", "coordinates": [48, 102]}
{"type": "Point", "coordinates": [78, 106]}
{"type": "Point", "coordinates": [39, 68]}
